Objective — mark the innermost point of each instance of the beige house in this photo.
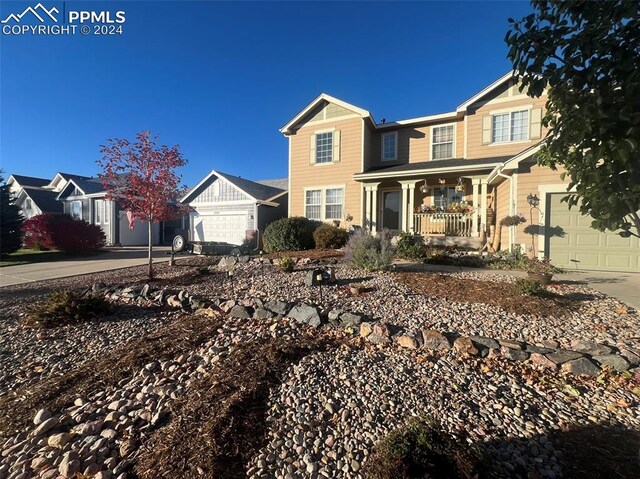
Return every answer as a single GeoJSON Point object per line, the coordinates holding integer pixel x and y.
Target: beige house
{"type": "Point", "coordinates": [447, 177]}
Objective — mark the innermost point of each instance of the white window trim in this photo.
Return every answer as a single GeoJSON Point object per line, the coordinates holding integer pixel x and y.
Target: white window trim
{"type": "Point", "coordinates": [510, 112]}
{"type": "Point", "coordinates": [395, 152]}
{"type": "Point", "coordinates": [323, 200]}
{"type": "Point", "coordinates": [320, 132]}
{"type": "Point", "coordinates": [431, 144]}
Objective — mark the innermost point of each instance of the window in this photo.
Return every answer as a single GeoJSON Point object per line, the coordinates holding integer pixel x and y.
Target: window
{"type": "Point", "coordinates": [390, 146]}
{"type": "Point", "coordinates": [27, 208]}
{"type": "Point", "coordinates": [445, 196]}
{"type": "Point", "coordinates": [442, 142]}
{"type": "Point", "coordinates": [513, 126]}
{"type": "Point", "coordinates": [99, 211]}
{"type": "Point", "coordinates": [324, 147]}
{"type": "Point", "coordinates": [313, 204]}
{"type": "Point", "coordinates": [76, 210]}
{"type": "Point", "coordinates": [333, 204]}
{"type": "Point", "coordinates": [324, 204]}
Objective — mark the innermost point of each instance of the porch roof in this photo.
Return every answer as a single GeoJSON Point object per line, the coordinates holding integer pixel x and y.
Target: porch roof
{"type": "Point", "coordinates": [456, 165]}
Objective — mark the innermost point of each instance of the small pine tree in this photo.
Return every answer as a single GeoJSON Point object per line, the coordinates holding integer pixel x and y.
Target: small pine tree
{"type": "Point", "coordinates": [10, 220]}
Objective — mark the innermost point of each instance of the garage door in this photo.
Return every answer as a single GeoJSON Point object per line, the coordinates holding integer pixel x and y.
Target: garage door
{"type": "Point", "coordinates": [223, 228]}
{"type": "Point", "coordinates": [573, 244]}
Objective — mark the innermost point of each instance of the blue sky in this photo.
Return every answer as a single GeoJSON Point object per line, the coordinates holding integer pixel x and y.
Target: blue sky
{"type": "Point", "coordinates": [220, 79]}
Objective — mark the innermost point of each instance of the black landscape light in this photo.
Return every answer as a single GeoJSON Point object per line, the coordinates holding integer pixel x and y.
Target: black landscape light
{"type": "Point", "coordinates": [319, 280]}
{"type": "Point", "coordinates": [230, 274]}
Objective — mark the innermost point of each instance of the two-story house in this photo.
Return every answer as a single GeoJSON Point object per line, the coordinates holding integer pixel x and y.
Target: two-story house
{"type": "Point", "coordinates": [449, 177]}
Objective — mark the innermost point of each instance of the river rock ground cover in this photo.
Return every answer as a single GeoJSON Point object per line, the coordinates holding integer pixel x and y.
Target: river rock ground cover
{"type": "Point", "coordinates": [316, 400]}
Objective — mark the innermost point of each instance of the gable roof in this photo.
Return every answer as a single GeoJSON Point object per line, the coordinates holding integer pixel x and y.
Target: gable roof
{"type": "Point", "coordinates": [286, 129]}
{"type": "Point", "coordinates": [280, 183]}
{"type": "Point", "coordinates": [29, 181]}
{"type": "Point", "coordinates": [86, 186]}
{"type": "Point", "coordinates": [257, 191]}
{"type": "Point", "coordinates": [512, 162]}
{"type": "Point", "coordinates": [45, 200]}
{"type": "Point", "coordinates": [485, 91]}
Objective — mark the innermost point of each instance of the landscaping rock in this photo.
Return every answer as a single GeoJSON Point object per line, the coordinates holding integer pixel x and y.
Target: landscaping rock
{"type": "Point", "coordinates": [464, 345]}
{"type": "Point", "coordinates": [542, 360]}
{"type": "Point", "coordinates": [432, 339]}
{"type": "Point", "coordinates": [350, 319]}
{"type": "Point", "coordinates": [378, 339]}
{"type": "Point", "coordinates": [406, 341]}
{"type": "Point", "coordinates": [514, 354]}
{"type": "Point", "coordinates": [613, 361]}
{"type": "Point", "coordinates": [562, 356]}
{"type": "Point", "coordinates": [262, 313]}
{"type": "Point", "coordinates": [581, 366]}
{"type": "Point", "coordinates": [382, 329]}
{"type": "Point", "coordinates": [591, 347]}
{"type": "Point", "coordinates": [41, 416]}
{"type": "Point", "coordinates": [45, 426]}
{"type": "Point", "coordinates": [366, 329]}
{"type": "Point", "coordinates": [227, 262]}
{"type": "Point", "coordinates": [240, 312]}
{"type": "Point", "coordinates": [278, 307]}
{"type": "Point", "coordinates": [511, 344]}
{"type": "Point", "coordinates": [306, 314]}
{"type": "Point", "coordinates": [59, 440]}
{"type": "Point", "coordinates": [486, 342]}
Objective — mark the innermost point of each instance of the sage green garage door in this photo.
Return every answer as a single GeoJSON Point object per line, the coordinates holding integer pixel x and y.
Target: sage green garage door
{"type": "Point", "coordinates": [573, 244]}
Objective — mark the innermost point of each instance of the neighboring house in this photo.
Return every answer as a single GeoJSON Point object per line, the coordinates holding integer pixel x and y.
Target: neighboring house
{"type": "Point", "coordinates": [448, 177]}
{"type": "Point", "coordinates": [34, 196]}
{"type": "Point", "coordinates": [230, 209]}
{"type": "Point", "coordinates": [85, 198]}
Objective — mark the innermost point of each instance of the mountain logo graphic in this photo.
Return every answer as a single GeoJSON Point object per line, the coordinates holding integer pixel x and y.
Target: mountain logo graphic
{"type": "Point", "coordinates": [39, 11]}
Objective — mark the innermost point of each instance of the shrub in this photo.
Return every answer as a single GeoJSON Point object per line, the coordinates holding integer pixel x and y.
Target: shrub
{"type": "Point", "coordinates": [409, 248]}
{"type": "Point", "coordinates": [289, 234]}
{"type": "Point", "coordinates": [529, 287]}
{"type": "Point", "coordinates": [58, 231]}
{"type": "Point", "coordinates": [467, 261]}
{"type": "Point", "coordinates": [11, 220]}
{"type": "Point", "coordinates": [422, 449]}
{"type": "Point", "coordinates": [329, 236]}
{"type": "Point", "coordinates": [369, 252]}
{"type": "Point", "coordinates": [68, 307]}
{"type": "Point", "coordinates": [286, 264]}
{"type": "Point", "coordinates": [507, 260]}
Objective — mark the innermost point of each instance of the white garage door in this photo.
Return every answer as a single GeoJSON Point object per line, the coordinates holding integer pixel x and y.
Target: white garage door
{"type": "Point", "coordinates": [572, 243]}
{"type": "Point", "coordinates": [224, 228]}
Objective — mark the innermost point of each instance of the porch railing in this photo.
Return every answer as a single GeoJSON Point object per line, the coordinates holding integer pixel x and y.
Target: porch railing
{"type": "Point", "coordinates": [447, 224]}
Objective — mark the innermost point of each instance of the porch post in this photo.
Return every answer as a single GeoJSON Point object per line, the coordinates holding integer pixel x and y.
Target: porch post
{"type": "Point", "coordinates": [412, 202]}
{"type": "Point", "coordinates": [408, 199]}
{"type": "Point", "coordinates": [483, 205]}
{"type": "Point", "coordinates": [474, 218]}
{"type": "Point", "coordinates": [374, 208]}
{"type": "Point", "coordinates": [403, 207]}
{"type": "Point", "coordinates": [367, 208]}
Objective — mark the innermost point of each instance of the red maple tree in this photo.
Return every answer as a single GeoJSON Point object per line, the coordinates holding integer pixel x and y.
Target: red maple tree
{"type": "Point", "coordinates": [141, 178]}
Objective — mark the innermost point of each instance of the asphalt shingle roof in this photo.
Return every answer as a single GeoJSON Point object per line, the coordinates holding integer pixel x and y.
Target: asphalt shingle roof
{"type": "Point", "coordinates": [31, 181]}
{"type": "Point", "coordinates": [44, 199]}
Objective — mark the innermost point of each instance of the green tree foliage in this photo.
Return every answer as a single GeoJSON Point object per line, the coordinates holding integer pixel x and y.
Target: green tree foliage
{"type": "Point", "coordinates": [10, 220]}
{"type": "Point", "coordinates": [587, 55]}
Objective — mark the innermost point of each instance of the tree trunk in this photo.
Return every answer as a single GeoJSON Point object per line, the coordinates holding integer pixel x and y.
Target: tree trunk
{"type": "Point", "coordinates": [150, 248]}
{"type": "Point", "coordinates": [497, 236]}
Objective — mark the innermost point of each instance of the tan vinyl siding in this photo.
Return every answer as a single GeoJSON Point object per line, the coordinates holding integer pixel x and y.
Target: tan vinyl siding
{"type": "Point", "coordinates": [475, 146]}
{"type": "Point", "coordinates": [414, 144]}
{"type": "Point", "coordinates": [502, 209]}
{"type": "Point", "coordinates": [307, 175]}
{"type": "Point", "coordinates": [530, 177]}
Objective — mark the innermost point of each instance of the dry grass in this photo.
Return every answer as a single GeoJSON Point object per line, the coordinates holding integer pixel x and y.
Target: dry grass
{"type": "Point", "coordinates": [220, 424]}
{"type": "Point", "coordinates": [503, 295]}
{"type": "Point", "coordinates": [182, 336]}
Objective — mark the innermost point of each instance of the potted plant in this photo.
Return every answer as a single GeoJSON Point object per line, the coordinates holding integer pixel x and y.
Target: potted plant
{"type": "Point", "coordinates": [541, 270]}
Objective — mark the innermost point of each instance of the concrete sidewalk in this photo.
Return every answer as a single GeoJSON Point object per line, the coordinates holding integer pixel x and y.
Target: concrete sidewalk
{"type": "Point", "coordinates": [623, 286]}
{"type": "Point", "coordinates": [113, 258]}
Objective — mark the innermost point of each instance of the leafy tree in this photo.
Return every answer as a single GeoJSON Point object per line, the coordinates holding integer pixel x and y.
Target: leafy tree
{"type": "Point", "coordinates": [10, 220]}
{"type": "Point", "coordinates": [587, 55]}
{"type": "Point", "coordinates": [141, 177]}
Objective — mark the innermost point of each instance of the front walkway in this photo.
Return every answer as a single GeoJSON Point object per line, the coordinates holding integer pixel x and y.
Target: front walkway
{"type": "Point", "coordinates": [114, 258]}
{"type": "Point", "coordinates": [623, 286]}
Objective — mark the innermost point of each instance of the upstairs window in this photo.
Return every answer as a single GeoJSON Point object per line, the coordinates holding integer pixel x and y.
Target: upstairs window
{"type": "Point", "coordinates": [76, 210]}
{"type": "Point", "coordinates": [512, 126]}
{"type": "Point", "coordinates": [324, 147]}
{"type": "Point", "coordinates": [442, 142]}
{"type": "Point", "coordinates": [390, 146]}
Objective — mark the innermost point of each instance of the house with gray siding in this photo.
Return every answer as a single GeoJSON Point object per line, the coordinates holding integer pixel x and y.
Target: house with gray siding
{"type": "Point", "coordinates": [233, 210]}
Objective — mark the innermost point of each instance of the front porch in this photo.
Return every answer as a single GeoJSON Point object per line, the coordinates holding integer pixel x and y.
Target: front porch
{"type": "Point", "coordinates": [443, 209]}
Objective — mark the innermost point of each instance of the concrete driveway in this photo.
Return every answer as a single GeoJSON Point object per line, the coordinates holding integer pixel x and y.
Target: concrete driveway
{"type": "Point", "coordinates": [113, 258]}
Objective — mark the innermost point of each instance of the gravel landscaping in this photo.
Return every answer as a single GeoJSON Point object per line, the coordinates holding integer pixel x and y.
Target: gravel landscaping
{"type": "Point", "coordinates": [122, 396]}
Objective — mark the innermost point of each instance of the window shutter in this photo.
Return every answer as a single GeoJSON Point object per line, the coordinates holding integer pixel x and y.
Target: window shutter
{"type": "Point", "coordinates": [535, 128]}
{"type": "Point", "coordinates": [486, 129]}
{"type": "Point", "coordinates": [336, 146]}
{"type": "Point", "coordinates": [312, 149]}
